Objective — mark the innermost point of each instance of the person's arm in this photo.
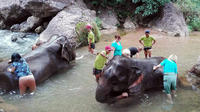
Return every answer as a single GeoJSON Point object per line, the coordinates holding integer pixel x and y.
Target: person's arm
{"type": "Point", "coordinates": [11, 69]}
{"type": "Point", "coordinates": [137, 55]}
{"type": "Point", "coordinates": [156, 67]}
{"type": "Point", "coordinates": [141, 42]}
{"type": "Point", "coordinates": [154, 41]}
{"type": "Point", "coordinates": [104, 55]}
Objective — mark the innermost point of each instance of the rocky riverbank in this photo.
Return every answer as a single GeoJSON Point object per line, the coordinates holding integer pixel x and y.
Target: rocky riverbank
{"type": "Point", "coordinates": [59, 17]}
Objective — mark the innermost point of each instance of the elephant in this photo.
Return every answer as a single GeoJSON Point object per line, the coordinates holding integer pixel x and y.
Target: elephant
{"type": "Point", "coordinates": [52, 56]}
{"type": "Point", "coordinates": [134, 76]}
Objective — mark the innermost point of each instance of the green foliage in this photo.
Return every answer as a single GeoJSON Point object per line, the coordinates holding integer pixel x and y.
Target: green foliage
{"type": "Point", "coordinates": [149, 7]}
{"type": "Point", "coordinates": [191, 11]}
{"type": "Point", "coordinates": [98, 22]}
{"type": "Point", "coordinates": [82, 33]}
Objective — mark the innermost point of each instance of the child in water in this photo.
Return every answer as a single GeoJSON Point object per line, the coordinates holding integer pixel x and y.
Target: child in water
{"type": "Point", "coordinates": [100, 61]}
{"type": "Point", "coordinates": [21, 69]}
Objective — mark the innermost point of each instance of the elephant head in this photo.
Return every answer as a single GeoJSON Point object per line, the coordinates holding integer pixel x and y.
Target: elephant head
{"type": "Point", "coordinates": [117, 76]}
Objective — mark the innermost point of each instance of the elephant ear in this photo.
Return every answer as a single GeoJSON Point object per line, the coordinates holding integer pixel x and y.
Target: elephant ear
{"type": "Point", "coordinates": [67, 49]}
{"type": "Point", "coordinates": [135, 73]}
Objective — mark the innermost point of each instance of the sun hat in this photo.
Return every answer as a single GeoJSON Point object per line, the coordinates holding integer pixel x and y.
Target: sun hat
{"type": "Point", "coordinates": [108, 48]}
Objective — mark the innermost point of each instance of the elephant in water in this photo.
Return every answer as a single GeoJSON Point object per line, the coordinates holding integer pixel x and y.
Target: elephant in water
{"type": "Point", "coordinates": [134, 76]}
{"type": "Point", "coordinates": [46, 60]}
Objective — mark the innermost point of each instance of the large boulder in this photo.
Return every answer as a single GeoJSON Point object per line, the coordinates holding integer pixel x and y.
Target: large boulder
{"type": "Point", "coordinates": [11, 12]}
{"type": "Point", "coordinates": [45, 8]}
{"type": "Point", "coordinates": [129, 25]}
{"type": "Point", "coordinates": [64, 22]}
{"type": "Point", "coordinates": [109, 19]}
{"type": "Point", "coordinates": [172, 21]}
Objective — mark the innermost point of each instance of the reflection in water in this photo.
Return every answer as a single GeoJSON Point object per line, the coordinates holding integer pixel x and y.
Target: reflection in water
{"type": "Point", "coordinates": [74, 90]}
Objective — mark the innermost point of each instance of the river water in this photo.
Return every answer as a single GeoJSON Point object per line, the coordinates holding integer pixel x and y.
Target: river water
{"type": "Point", "coordinates": [74, 89]}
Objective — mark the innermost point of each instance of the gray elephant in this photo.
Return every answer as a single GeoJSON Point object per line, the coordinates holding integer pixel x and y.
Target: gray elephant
{"type": "Point", "coordinates": [134, 76]}
{"type": "Point", "coordinates": [46, 60]}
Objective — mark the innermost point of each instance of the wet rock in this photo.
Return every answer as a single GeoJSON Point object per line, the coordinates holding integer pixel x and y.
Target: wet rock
{"type": "Point", "coordinates": [172, 21]}
{"type": "Point", "coordinates": [27, 26]}
{"type": "Point", "coordinates": [39, 29]}
{"type": "Point", "coordinates": [15, 27]}
{"type": "Point", "coordinates": [194, 74]}
{"type": "Point", "coordinates": [65, 21]}
{"type": "Point", "coordinates": [30, 24]}
{"type": "Point", "coordinates": [129, 24]}
{"type": "Point", "coordinates": [45, 8]}
{"type": "Point", "coordinates": [108, 18]}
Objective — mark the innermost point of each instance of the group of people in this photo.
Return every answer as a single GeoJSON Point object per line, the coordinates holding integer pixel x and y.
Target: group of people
{"type": "Point", "coordinates": [20, 68]}
{"type": "Point", "coordinates": [169, 65]}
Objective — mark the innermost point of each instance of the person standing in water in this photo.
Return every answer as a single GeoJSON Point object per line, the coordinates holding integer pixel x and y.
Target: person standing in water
{"type": "Point", "coordinates": [170, 76]}
{"type": "Point", "coordinates": [91, 39]}
{"type": "Point", "coordinates": [116, 46]}
{"type": "Point", "coordinates": [147, 41]}
{"type": "Point", "coordinates": [21, 69]}
{"type": "Point", "coordinates": [100, 61]}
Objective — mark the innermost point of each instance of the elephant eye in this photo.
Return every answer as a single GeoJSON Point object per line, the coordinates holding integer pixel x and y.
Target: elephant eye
{"type": "Point", "coordinates": [114, 80]}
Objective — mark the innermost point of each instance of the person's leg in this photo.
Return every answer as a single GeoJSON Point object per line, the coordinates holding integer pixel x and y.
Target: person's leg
{"type": "Point", "coordinates": [97, 77]}
{"type": "Point", "coordinates": [169, 97]}
{"type": "Point", "coordinates": [149, 51]}
{"type": "Point", "coordinates": [31, 83]}
{"type": "Point", "coordinates": [145, 53]}
{"type": "Point", "coordinates": [167, 87]}
{"type": "Point", "coordinates": [173, 83]}
{"type": "Point", "coordinates": [22, 87]}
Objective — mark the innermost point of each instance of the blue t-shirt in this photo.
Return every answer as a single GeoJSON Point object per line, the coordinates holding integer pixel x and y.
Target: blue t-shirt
{"type": "Point", "coordinates": [21, 68]}
{"type": "Point", "coordinates": [169, 66]}
{"type": "Point", "coordinates": [118, 48]}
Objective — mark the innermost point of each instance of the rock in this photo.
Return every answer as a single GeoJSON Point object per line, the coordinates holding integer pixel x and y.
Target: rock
{"type": "Point", "coordinates": [109, 19]}
{"type": "Point", "coordinates": [11, 12]}
{"type": "Point", "coordinates": [184, 83]}
{"type": "Point", "coordinates": [65, 21]}
{"type": "Point", "coordinates": [45, 8]}
{"type": "Point", "coordinates": [129, 24]}
{"type": "Point", "coordinates": [39, 29]}
{"type": "Point", "coordinates": [15, 27]}
{"type": "Point", "coordinates": [30, 24]}
{"type": "Point", "coordinates": [194, 74]}
{"type": "Point", "coordinates": [172, 21]}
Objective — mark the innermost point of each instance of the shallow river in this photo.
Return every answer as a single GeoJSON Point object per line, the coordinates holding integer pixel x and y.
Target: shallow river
{"type": "Point", "coordinates": [74, 90]}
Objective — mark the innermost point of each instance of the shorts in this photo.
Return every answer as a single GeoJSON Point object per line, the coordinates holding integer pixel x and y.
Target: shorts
{"type": "Point", "coordinates": [147, 48]}
{"type": "Point", "coordinates": [92, 45]}
{"type": "Point", "coordinates": [169, 82]}
{"type": "Point", "coordinates": [96, 71]}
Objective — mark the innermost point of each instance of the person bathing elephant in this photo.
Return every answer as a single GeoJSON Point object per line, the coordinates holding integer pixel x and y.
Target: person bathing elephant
{"type": "Point", "coordinates": [46, 60]}
{"type": "Point", "coordinates": [123, 77]}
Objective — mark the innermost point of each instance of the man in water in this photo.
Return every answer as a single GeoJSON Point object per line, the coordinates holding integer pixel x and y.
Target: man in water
{"type": "Point", "coordinates": [147, 41]}
{"type": "Point", "coordinates": [91, 39]}
{"type": "Point", "coordinates": [100, 61]}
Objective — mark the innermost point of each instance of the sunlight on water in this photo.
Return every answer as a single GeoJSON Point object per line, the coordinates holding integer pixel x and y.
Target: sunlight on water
{"type": "Point", "coordinates": [74, 90]}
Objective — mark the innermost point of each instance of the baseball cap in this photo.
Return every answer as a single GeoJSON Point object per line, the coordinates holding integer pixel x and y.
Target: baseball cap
{"type": "Point", "coordinates": [147, 31]}
{"type": "Point", "coordinates": [108, 48]}
{"type": "Point", "coordinates": [88, 26]}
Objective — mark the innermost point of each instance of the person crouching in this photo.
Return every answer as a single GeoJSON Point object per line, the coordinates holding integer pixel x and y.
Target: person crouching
{"type": "Point", "coordinates": [100, 61]}
{"type": "Point", "coordinates": [21, 69]}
